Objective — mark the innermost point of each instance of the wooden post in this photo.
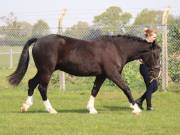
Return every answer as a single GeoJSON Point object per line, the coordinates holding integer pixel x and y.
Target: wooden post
{"type": "Point", "coordinates": [165, 50]}
{"type": "Point", "coordinates": [61, 74]}
{"type": "Point", "coordinates": [62, 80]}
{"type": "Point", "coordinates": [11, 58]}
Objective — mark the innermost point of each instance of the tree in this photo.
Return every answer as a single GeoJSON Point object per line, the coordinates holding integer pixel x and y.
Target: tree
{"type": "Point", "coordinates": [40, 28]}
{"type": "Point", "coordinates": [92, 33]}
{"type": "Point", "coordinates": [10, 19]}
{"type": "Point", "coordinates": [148, 17]}
{"type": "Point", "coordinates": [151, 17]}
{"type": "Point", "coordinates": [10, 25]}
{"type": "Point", "coordinates": [24, 28]}
{"type": "Point", "coordinates": [14, 28]}
{"type": "Point", "coordinates": [78, 30]}
{"type": "Point", "coordinates": [20, 30]}
{"type": "Point", "coordinates": [13, 31]}
{"type": "Point", "coordinates": [112, 18]}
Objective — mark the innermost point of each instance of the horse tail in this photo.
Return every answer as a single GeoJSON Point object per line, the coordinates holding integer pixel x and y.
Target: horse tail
{"type": "Point", "coordinates": [16, 77]}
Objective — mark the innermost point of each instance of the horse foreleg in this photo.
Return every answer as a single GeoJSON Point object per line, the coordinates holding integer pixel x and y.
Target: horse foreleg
{"type": "Point", "coordinates": [116, 78]}
{"type": "Point", "coordinates": [97, 85]}
{"type": "Point", "coordinates": [49, 107]}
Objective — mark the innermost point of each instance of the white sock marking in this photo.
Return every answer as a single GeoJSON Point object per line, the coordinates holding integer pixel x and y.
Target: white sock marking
{"type": "Point", "coordinates": [136, 108]}
{"type": "Point", "coordinates": [90, 105]}
{"type": "Point", "coordinates": [47, 105]}
{"type": "Point", "coordinates": [29, 100]}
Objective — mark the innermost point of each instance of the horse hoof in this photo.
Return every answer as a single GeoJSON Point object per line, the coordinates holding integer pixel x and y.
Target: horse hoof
{"type": "Point", "coordinates": [93, 111]}
{"type": "Point", "coordinates": [24, 108]}
{"type": "Point", "coordinates": [136, 113]}
{"type": "Point", "coordinates": [52, 111]}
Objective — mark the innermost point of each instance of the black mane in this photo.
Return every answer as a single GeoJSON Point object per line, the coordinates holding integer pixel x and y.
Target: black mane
{"type": "Point", "coordinates": [129, 37]}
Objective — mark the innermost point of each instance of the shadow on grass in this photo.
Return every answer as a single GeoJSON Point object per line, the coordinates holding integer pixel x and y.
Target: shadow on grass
{"type": "Point", "coordinates": [44, 112]}
{"type": "Point", "coordinates": [73, 111]}
{"type": "Point", "coordinates": [28, 112]}
{"type": "Point", "coordinates": [82, 111]}
{"type": "Point", "coordinates": [117, 108]}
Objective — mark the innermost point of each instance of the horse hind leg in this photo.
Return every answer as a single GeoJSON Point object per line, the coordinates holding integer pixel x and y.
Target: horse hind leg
{"type": "Point", "coordinates": [97, 85]}
{"type": "Point", "coordinates": [43, 84]}
{"type": "Point", "coordinates": [32, 84]}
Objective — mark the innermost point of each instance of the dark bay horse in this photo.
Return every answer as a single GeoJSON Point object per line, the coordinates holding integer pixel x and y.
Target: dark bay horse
{"type": "Point", "coordinates": [103, 57]}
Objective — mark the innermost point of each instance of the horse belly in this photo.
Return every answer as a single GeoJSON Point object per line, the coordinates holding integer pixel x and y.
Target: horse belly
{"type": "Point", "coordinates": [81, 69]}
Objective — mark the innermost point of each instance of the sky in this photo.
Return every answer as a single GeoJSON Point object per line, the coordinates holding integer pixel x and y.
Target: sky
{"type": "Point", "coordinates": [78, 10]}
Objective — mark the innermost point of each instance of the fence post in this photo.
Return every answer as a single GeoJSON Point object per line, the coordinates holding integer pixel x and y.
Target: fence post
{"type": "Point", "coordinates": [165, 50]}
{"type": "Point", "coordinates": [61, 74]}
{"type": "Point", "coordinates": [62, 80]}
{"type": "Point", "coordinates": [11, 58]}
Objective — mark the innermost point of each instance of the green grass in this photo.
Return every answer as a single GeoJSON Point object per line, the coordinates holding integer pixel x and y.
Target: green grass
{"type": "Point", "coordinates": [114, 117]}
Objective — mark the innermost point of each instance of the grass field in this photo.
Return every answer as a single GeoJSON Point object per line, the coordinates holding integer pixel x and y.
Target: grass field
{"type": "Point", "coordinates": [114, 117]}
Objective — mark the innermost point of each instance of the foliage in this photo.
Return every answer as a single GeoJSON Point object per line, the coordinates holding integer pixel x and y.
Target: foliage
{"type": "Point", "coordinates": [132, 75]}
{"type": "Point", "coordinates": [151, 17]}
{"type": "Point", "coordinates": [78, 30]}
{"type": "Point", "coordinates": [174, 37]}
{"type": "Point", "coordinates": [92, 33]}
{"type": "Point", "coordinates": [40, 28]}
{"type": "Point", "coordinates": [15, 32]}
{"type": "Point", "coordinates": [14, 29]}
{"type": "Point", "coordinates": [174, 69]}
{"type": "Point", "coordinates": [148, 17]}
{"type": "Point", "coordinates": [112, 18]}
{"type": "Point", "coordinates": [174, 50]}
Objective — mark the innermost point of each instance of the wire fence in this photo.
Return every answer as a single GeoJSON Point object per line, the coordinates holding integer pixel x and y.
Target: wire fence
{"type": "Point", "coordinates": [12, 41]}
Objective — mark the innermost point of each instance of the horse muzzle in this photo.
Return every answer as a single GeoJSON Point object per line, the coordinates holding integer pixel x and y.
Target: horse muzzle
{"type": "Point", "coordinates": [155, 77]}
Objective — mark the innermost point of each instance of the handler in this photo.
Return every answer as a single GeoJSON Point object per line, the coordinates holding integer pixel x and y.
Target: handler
{"type": "Point", "coordinates": [151, 87]}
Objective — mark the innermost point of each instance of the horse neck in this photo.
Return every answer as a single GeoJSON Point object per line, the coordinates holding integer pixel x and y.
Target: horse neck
{"type": "Point", "coordinates": [136, 51]}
